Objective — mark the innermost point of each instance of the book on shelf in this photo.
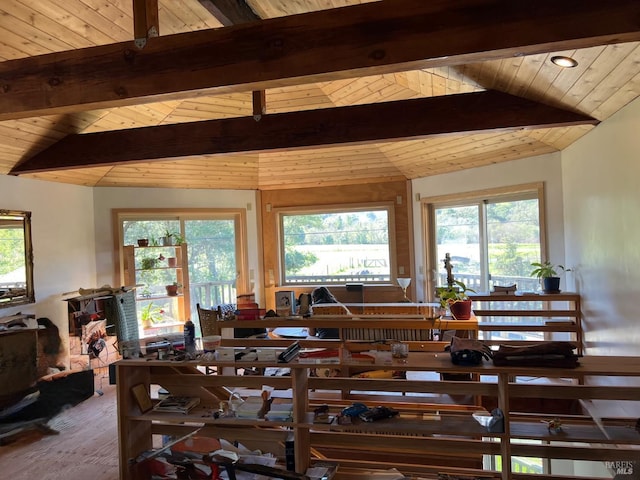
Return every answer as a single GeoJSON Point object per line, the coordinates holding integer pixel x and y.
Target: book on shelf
{"type": "Point", "coordinates": [177, 404]}
{"type": "Point", "coordinates": [141, 394]}
{"type": "Point", "coordinates": [319, 355]}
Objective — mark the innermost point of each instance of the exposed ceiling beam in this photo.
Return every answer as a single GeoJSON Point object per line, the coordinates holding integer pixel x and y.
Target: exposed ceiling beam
{"type": "Point", "coordinates": [230, 12]}
{"type": "Point", "coordinates": [407, 119]}
{"type": "Point", "coordinates": [146, 23]}
{"type": "Point", "coordinates": [358, 40]}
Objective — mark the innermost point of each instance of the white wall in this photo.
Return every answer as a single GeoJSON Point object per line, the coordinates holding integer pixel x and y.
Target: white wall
{"type": "Point", "coordinates": [543, 168]}
{"type": "Point", "coordinates": [63, 242]}
{"type": "Point", "coordinates": [601, 176]}
{"type": "Point", "coordinates": [107, 199]}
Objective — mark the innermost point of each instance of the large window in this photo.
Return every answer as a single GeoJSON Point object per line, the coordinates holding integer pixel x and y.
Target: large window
{"type": "Point", "coordinates": [336, 245]}
{"type": "Point", "coordinates": [215, 251]}
{"type": "Point", "coordinates": [491, 239]}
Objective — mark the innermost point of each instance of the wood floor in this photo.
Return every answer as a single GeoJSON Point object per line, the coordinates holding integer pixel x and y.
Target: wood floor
{"type": "Point", "coordinates": [86, 447]}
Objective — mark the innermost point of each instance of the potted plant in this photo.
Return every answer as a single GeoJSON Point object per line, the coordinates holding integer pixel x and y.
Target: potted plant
{"type": "Point", "coordinates": [456, 299]}
{"type": "Point", "coordinates": [168, 238]}
{"type": "Point", "coordinates": [148, 263]}
{"type": "Point", "coordinates": [178, 239]}
{"type": "Point", "coordinates": [547, 273]}
{"type": "Point", "coordinates": [172, 289]}
{"type": "Point", "coordinates": [151, 313]}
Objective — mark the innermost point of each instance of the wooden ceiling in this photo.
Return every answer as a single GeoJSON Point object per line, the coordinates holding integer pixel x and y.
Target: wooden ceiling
{"type": "Point", "coordinates": [306, 102]}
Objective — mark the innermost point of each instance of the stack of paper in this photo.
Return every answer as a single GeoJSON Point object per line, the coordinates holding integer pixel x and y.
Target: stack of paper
{"type": "Point", "coordinates": [250, 408]}
{"type": "Point", "coordinates": [280, 412]}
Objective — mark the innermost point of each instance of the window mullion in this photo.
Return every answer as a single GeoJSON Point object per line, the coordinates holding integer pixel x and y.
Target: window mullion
{"type": "Point", "coordinates": [484, 246]}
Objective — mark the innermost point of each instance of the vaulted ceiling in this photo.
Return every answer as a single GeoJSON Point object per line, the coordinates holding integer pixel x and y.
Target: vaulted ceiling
{"type": "Point", "coordinates": [397, 89]}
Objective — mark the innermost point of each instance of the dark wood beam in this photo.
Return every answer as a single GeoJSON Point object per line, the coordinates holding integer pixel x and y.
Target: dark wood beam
{"type": "Point", "coordinates": [230, 12]}
{"type": "Point", "coordinates": [146, 23]}
{"type": "Point", "coordinates": [259, 104]}
{"type": "Point", "coordinates": [380, 122]}
{"type": "Point", "coordinates": [330, 44]}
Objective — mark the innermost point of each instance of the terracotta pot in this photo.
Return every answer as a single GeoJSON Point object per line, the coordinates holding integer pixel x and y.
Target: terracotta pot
{"type": "Point", "coordinates": [172, 290]}
{"type": "Point", "coordinates": [172, 262]}
{"type": "Point", "coordinates": [143, 242]}
{"type": "Point", "coordinates": [461, 310]}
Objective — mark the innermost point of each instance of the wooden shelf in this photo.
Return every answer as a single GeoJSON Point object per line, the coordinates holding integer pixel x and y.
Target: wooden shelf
{"type": "Point", "coordinates": [422, 432]}
{"type": "Point", "coordinates": [555, 313]}
{"type": "Point", "coordinates": [180, 274]}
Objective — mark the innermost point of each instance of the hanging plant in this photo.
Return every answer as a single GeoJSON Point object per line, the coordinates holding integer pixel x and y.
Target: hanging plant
{"type": "Point", "coordinates": [151, 262]}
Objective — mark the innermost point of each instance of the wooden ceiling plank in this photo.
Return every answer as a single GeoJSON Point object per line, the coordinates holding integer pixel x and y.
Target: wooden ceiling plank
{"type": "Point", "coordinates": [363, 123]}
{"type": "Point", "coordinates": [591, 77]}
{"type": "Point", "coordinates": [29, 16]}
{"type": "Point", "coordinates": [567, 77]}
{"type": "Point", "coordinates": [317, 46]}
{"type": "Point", "coordinates": [112, 12]}
{"type": "Point", "coordinates": [596, 100]}
{"type": "Point", "coordinates": [191, 14]}
{"type": "Point", "coordinates": [33, 40]}
{"type": "Point", "coordinates": [620, 98]}
{"type": "Point", "coordinates": [92, 20]}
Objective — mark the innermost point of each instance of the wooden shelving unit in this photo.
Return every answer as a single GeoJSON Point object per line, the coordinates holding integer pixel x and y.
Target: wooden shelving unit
{"type": "Point", "coordinates": [544, 313]}
{"type": "Point", "coordinates": [424, 432]}
{"type": "Point", "coordinates": [178, 306]}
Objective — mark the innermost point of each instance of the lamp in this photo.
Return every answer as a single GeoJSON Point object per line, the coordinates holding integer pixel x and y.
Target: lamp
{"type": "Point", "coordinates": [404, 284]}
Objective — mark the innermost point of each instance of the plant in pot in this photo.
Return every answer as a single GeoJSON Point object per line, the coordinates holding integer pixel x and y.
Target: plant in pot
{"type": "Point", "coordinates": [148, 263]}
{"type": "Point", "coordinates": [178, 239]}
{"type": "Point", "coordinates": [172, 289]}
{"type": "Point", "coordinates": [548, 275]}
{"type": "Point", "coordinates": [455, 298]}
{"type": "Point", "coordinates": [168, 239]}
{"type": "Point", "coordinates": [151, 313]}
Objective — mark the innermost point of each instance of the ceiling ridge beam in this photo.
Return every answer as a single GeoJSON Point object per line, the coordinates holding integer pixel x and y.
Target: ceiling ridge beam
{"type": "Point", "coordinates": [230, 12]}
{"type": "Point", "coordinates": [379, 37]}
{"type": "Point", "coordinates": [389, 121]}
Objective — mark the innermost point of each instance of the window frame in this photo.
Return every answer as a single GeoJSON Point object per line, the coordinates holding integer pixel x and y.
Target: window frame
{"type": "Point", "coordinates": [494, 195]}
{"type": "Point", "coordinates": [238, 215]}
{"type": "Point", "coordinates": [281, 212]}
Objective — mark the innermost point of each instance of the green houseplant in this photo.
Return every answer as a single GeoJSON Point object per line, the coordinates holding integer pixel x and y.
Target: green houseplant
{"type": "Point", "coordinates": [151, 313]}
{"type": "Point", "coordinates": [170, 238]}
{"type": "Point", "coordinates": [547, 273]}
{"type": "Point", "coordinates": [456, 299]}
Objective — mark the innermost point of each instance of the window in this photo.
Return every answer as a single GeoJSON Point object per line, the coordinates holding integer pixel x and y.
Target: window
{"type": "Point", "coordinates": [491, 239]}
{"type": "Point", "coordinates": [336, 246]}
{"type": "Point", "coordinates": [216, 255]}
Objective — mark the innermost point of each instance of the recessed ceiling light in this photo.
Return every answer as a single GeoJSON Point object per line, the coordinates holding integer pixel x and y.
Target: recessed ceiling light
{"type": "Point", "coordinates": [564, 62]}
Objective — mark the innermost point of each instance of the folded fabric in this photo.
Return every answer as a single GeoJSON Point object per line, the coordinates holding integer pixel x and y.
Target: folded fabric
{"type": "Point", "coordinates": [542, 354]}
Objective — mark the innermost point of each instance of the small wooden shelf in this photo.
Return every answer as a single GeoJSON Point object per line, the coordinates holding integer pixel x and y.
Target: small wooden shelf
{"type": "Point", "coordinates": [555, 313]}
{"type": "Point", "coordinates": [133, 275]}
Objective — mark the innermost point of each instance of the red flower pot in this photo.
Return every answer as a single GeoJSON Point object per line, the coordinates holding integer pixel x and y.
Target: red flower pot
{"type": "Point", "coordinates": [461, 309]}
